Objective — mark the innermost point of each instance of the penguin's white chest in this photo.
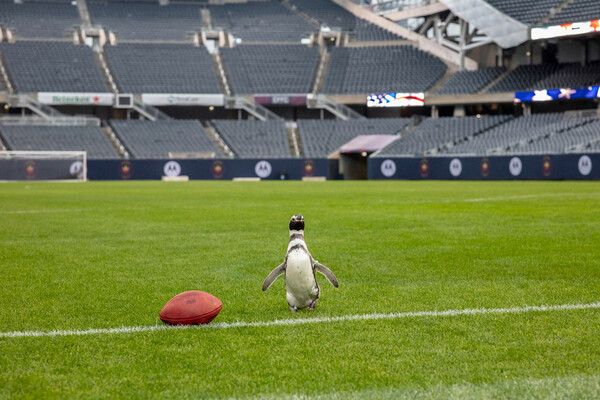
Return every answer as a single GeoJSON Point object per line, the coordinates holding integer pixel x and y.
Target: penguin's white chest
{"type": "Point", "coordinates": [300, 283]}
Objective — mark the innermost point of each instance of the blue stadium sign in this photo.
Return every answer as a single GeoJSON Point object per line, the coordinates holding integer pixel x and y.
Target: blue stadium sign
{"type": "Point", "coordinates": [557, 94]}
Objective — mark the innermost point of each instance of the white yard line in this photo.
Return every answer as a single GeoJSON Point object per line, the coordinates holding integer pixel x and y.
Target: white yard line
{"type": "Point", "coordinates": [523, 197]}
{"type": "Point", "coordinates": [69, 210]}
{"type": "Point", "coordinates": [304, 321]}
{"type": "Point", "coordinates": [49, 211]}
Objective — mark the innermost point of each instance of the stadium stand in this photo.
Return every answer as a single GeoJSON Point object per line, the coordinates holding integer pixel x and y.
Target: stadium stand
{"type": "Point", "coordinates": [146, 21]}
{"type": "Point", "coordinates": [252, 139]}
{"type": "Point", "coordinates": [527, 12]}
{"type": "Point", "coordinates": [327, 13]}
{"type": "Point", "coordinates": [58, 138]}
{"type": "Point", "coordinates": [572, 75]}
{"type": "Point", "coordinates": [151, 58]}
{"type": "Point", "coordinates": [515, 133]}
{"type": "Point", "coordinates": [284, 68]}
{"type": "Point", "coordinates": [259, 22]}
{"type": "Point", "coordinates": [39, 20]}
{"type": "Point", "coordinates": [156, 139]}
{"type": "Point", "coordinates": [524, 77]}
{"type": "Point", "coordinates": [47, 66]}
{"type": "Point", "coordinates": [577, 11]}
{"type": "Point", "coordinates": [434, 135]}
{"type": "Point", "coordinates": [470, 81]}
{"type": "Point", "coordinates": [333, 16]}
{"type": "Point", "coordinates": [365, 31]}
{"type": "Point", "coordinates": [381, 69]}
{"type": "Point", "coordinates": [549, 76]}
{"type": "Point", "coordinates": [162, 68]}
{"type": "Point", "coordinates": [320, 138]}
{"type": "Point", "coordinates": [562, 141]}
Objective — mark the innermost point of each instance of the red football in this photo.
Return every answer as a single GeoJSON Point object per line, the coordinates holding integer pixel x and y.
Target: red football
{"type": "Point", "coordinates": [189, 308]}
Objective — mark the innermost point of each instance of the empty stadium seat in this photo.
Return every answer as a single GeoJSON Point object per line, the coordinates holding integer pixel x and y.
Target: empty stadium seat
{"type": "Point", "coordinates": [381, 69]}
{"type": "Point", "coordinates": [162, 68]}
{"type": "Point", "coordinates": [253, 69]}
{"type": "Point", "coordinates": [435, 135]}
{"type": "Point", "coordinates": [48, 19]}
{"type": "Point", "coordinates": [549, 76]}
{"type": "Point", "coordinates": [527, 12]}
{"type": "Point", "coordinates": [156, 139]}
{"type": "Point", "coordinates": [320, 138]}
{"type": "Point", "coordinates": [146, 21]}
{"type": "Point", "coordinates": [563, 139]}
{"type": "Point", "coordinates": [262, 21]}
{"type": "Point", "coordinates": [46, 66]}
{"type": "Point", "coordinates": [524, 77]}
{"type": "Point", "coordinates": [577, 11]}
{"type": "Point", "coordinates": [327, 13]}
{"type": "Point", "coordinates": [254, 139]}
{"type": "Point", "coordinates": [58, 138]}
{"type": "Point", "coordinates": [334, 16]}
{"type": "Point", "coordinates": [520, 130]}
{"type": "Point", "coordinates": [572, 75]}
{"type": "Point", "coordinates": [470, 81]}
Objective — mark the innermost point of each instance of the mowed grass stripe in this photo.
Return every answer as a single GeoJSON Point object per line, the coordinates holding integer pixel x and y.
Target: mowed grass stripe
{"type": "Point", "coordinates": [466, 200]}
{"type": "Point", "coordinates": [303, 321]}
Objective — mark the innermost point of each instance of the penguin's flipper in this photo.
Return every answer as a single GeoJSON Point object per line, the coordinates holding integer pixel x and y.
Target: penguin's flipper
{"type": "Point", "coordinates": [327, 272]}
{"type": "Point", "coordinates": [273, 275]}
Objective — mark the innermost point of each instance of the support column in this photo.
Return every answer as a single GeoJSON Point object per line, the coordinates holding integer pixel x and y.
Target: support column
{"type": "Point", "coordinates": [462, 40]}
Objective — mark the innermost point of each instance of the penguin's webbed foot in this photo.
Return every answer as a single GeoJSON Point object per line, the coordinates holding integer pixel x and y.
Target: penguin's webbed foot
{"type": "Point", "coordinates": [293, 309]}
{"type": "Point", "coordinates": [313, 304]}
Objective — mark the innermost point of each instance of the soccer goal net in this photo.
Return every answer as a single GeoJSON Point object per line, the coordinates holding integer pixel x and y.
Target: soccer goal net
{"type": "Point", "coordinates": [43, 166]}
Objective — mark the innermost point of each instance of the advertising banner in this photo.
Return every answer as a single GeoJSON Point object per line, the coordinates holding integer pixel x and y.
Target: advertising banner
{"type": "Point", "coordinates": [396, 100]}
{"type": "Point", "coordinates": [39, 169]}
{"type": "Point", "coordinates": [557, 94]}
{"type": "Point", "coordinates": [281, 100]}
{"type": "Point", "coordinates": [570, 29]}
{"type": "Point", "coordinates": [512, 167]}
{"type": "Point", "coordinates": [99, 99]}
{"type": "Point", "coordinates": [208, 169]}
{"type": "Point", "coordinates": [183, 99]}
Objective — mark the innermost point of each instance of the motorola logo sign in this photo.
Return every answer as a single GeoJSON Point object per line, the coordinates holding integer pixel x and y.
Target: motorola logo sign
{"type": "Point", "coordinates": [455, 167]}
{"type": "Point", "coordinates": [263, 169]}
{"type": "Point", "coordinates": [388, 168]}
{"type": "Point", "coordinates": [515, 166]}
{"type": "Point", "coordinates": [76, 169]}
{"type": "Point", "coordinates": [585, 165]}
{"type": "Point", "coordinates": [172, 168]}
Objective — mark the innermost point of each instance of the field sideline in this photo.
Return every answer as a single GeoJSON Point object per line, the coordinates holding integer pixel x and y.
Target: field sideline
{"type": "Point", "coordinates": [108, 255]}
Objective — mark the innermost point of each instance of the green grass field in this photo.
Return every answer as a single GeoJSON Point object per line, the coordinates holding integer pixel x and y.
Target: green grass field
{"type": "Point", "coordinates": [110, 255]}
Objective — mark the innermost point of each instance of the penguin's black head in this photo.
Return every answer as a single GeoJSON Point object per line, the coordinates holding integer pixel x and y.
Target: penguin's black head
{"type": "Point", "coordinates": [297, 223]}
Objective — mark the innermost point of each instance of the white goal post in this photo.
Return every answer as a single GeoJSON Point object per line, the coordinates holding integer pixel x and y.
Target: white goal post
{"type": "Point", "coordinates": [63, 166]}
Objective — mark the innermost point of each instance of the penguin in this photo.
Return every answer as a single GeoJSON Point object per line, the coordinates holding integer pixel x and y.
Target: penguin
{"type": "Point", "coordinates": [301, 287]}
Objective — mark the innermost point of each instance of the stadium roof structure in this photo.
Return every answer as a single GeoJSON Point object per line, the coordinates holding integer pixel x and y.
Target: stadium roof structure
{"type": "Point", "coordinates": [367, 143]}
{"type": "Point", "coordinates": [504, 30]}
